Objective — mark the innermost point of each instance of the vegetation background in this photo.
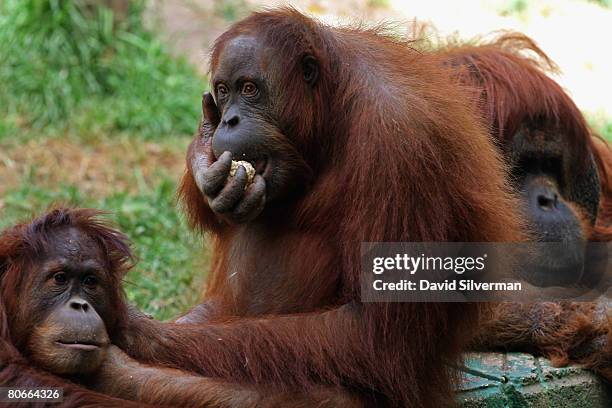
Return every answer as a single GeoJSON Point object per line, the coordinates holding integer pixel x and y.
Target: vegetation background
{"type": "Point", "coordinates": [99, 100]}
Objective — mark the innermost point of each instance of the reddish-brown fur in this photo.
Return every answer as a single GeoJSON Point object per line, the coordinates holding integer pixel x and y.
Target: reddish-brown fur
{"type": "Point", "coordinates": [603, 226]}
{"type": "Point", "coordinates": [513, 88]}
{"type": "Point", "coordinates": [569, 332]}
{"type": "Point", "coordinates": [32, 244]}
{"type": "Point", "coordinates": [395, 155]}
{"type": "Point", "coordinates": [17, 372]}
{"type": "Point", "coordinates": [23, 244]}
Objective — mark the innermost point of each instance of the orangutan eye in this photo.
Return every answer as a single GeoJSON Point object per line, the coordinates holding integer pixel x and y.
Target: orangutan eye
{"type": "Point", "coordinates": [90, 281]}
{"type": "Point", "coordinates": [249, 89]}
{"type": "Point", "coordinates": [222, 90]}
{"type": "Point", "coordinates": [60, 278]}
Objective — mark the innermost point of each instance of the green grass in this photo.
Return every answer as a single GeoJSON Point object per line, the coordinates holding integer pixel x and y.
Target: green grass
{"type": "Point", "coordinates": [171, 267]}
{"type": "Point", "coordinates": [67, 66]}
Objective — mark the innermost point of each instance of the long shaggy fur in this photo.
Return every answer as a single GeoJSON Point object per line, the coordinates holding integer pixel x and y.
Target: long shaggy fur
{"type": "Point", "coordinates": [396, 155]}
{"type": "Point", "coordinates": [603, 226]}
{"type": "Point", "coordinates": [510, 78]}
{"type": "Point", "coordinates": [512, 88]}
{"type": "Point", "coordinates": [24, 243]}
{"type": "Point", "coordinates": [566, 332]}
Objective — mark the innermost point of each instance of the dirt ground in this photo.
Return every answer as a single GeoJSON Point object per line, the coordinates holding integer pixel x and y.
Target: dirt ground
{"type": "Point", "coordinates": [98, 168]}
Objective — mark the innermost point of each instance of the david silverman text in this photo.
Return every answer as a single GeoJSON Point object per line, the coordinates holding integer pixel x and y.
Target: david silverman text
{"type": "Point", "coordinates": [462, 285]}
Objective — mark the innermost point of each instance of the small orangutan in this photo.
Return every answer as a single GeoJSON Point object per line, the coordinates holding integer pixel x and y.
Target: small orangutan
{"type": "Point", "coordinates": [61, 307]}
{"type": "Point", "coordinates": [52, 328]}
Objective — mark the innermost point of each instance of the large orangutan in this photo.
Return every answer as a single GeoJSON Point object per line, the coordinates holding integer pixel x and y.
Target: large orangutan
{"type": "Point", "coordinates": [555, 163]}
{"type": "Point", "coordinates": [61, 305]}
{"type": "Point", "coordinates": [353, 137]}
{"type": "Point", "coordinates": [562, 173]}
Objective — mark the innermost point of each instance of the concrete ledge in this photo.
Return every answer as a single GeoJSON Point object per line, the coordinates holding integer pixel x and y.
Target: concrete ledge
{"type": "Point", "coordinates": [521, 380]}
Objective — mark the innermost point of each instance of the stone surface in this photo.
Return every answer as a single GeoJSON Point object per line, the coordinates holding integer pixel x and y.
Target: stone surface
{"type": "Point", "coordinates": [516, 380]}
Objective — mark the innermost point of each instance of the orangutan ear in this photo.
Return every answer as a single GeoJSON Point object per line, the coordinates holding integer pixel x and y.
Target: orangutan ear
{"type": "Point", "coordinates": [210, 110]}
{"type": "Point", "coordinates": [310, 68]}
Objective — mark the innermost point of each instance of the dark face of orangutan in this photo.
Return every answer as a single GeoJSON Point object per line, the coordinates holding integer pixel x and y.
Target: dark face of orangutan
{"type": "Point", "coordinates": [65, 301]}
{"type": "Point", "coordinates": [244, 115]}
{"type": "Point", "coordinates": [560, 203]}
